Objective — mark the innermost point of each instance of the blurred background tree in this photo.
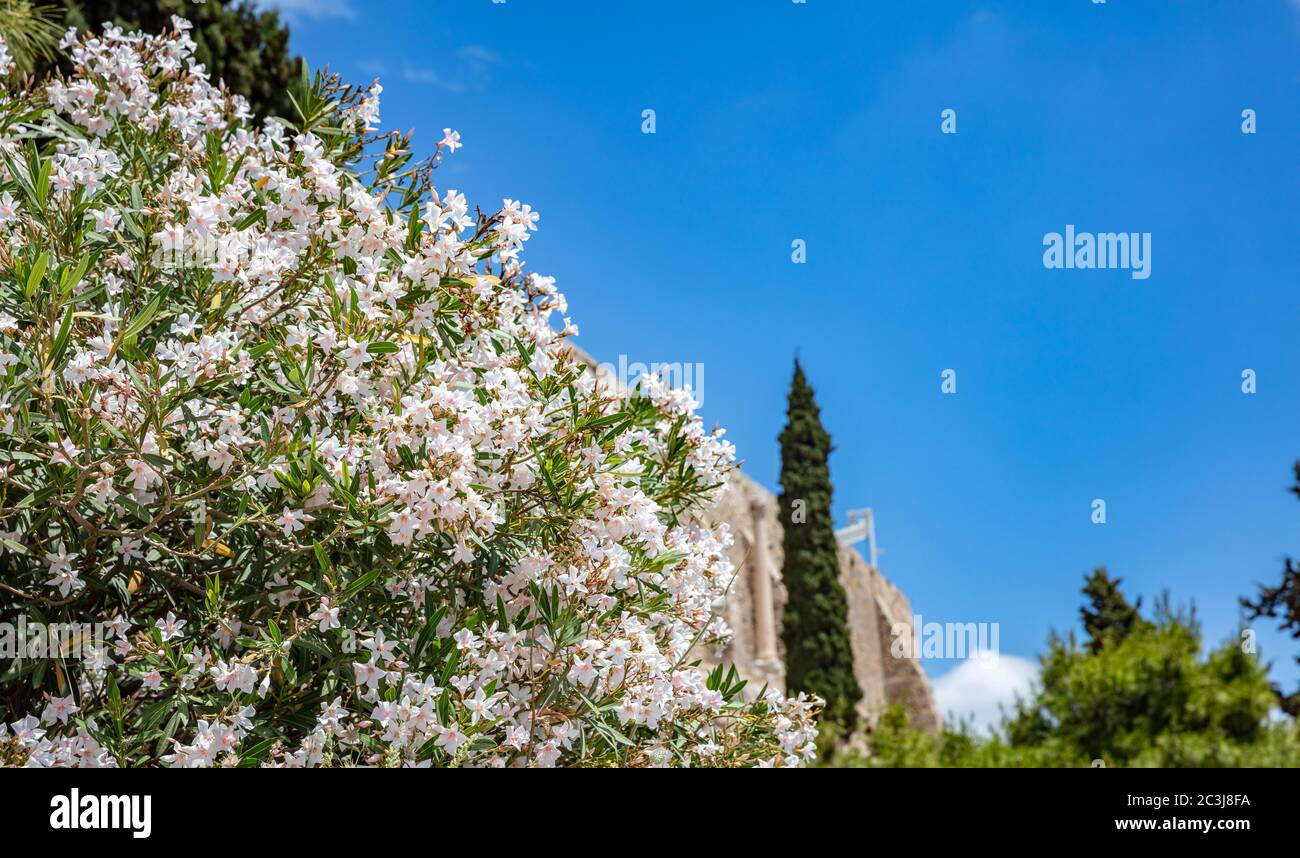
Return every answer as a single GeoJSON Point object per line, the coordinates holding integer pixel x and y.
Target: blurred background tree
{"type": "Point", "coordinates": [1142, 698]}
{"type": "Point", "coordinates": [1282, 603]}
{"type": "Point", "coordinates": [246, 47]}
{"type": "Point", "coordinates": [31, 32]}
{"type": "Point", "coordinates": [1108, 616]}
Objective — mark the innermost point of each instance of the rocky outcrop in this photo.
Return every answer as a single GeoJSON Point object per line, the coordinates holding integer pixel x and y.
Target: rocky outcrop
{"type": "Point", "coordinates": [756, 600]}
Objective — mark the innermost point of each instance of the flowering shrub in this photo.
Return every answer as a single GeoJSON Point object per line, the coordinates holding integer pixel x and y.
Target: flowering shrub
{"type": "Point", "coordinates": [297, 427]}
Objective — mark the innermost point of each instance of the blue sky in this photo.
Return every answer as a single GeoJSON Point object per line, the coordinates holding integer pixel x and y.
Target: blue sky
{"type": "Point", "coordinates": [820, 121]}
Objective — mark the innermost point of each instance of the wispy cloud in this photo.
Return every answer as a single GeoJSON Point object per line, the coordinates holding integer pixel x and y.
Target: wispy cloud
{"type": "Point", "coordinates": [469, 70]}
{"type": "Point", "coordinates": [487, 56]}
{"type": "Point", "coordinates": [312, 8]}
{"type": "Point", "coordinates": [429, 77]}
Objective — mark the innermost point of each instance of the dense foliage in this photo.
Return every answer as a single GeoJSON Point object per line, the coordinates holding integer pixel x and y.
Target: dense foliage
{"type": "Point", "coordinates": [297, 426]}
{"type": "Point", "coordinates": [819, 656]}
{"type": "Point", "coordinates": [239, 44]}
{"type": "Point", "coordinates": [1146, 699]}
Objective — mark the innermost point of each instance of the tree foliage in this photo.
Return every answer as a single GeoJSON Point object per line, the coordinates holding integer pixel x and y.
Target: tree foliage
{"type": "Point", "coordinates": [1283, 604]}
{"type": "Point", "coordinates": [819, 655]}
{"type": "Point", "coordinates": [1107, 616]}
{"type": "Point", "coordinates": [31, 32]}
{"type": "Point", "coordinates": [1148, 698]}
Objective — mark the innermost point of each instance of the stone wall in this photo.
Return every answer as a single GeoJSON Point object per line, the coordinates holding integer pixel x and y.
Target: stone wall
{"type": "Point", "coordinates": [756, 600]}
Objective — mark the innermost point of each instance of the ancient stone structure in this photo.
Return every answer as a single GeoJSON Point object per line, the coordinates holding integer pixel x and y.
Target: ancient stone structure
{"type": "Point", "coordinates": [755, 602]}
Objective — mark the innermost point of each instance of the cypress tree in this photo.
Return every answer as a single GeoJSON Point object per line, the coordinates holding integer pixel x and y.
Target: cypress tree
{"type": "Point", "coordinates": [819, 656]}
{"type": "Point", "coordinates": [1108, 617]}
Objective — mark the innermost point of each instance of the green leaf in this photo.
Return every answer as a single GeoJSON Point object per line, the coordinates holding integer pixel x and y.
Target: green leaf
{"type": "Point", "coordinates": [253, 756]}
{"type": "Point", "coordinates": [322, 559]}
{"type": "Point", "coordinates": [61, 339]}
{"type": "Point", "coordinates": [142, 320]}
{"type": "Point", "coordinates": [72, 278]}
{"type": "Point", "coordinates": [360, 584]}
{"type": "Point", "coordinates": [43, 180]}
{"type": "Point", "coordinates": [115, 703]}
{"type": "Point", "coordinates": [35, 275]}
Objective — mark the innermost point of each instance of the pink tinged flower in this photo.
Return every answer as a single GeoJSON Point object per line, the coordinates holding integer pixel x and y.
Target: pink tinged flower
{"type": "Point", "coordinates": [64, 452]}
{"type": "Point", "coordinates": [355, 354]}
{"type": "Point", "coordinates": [142, 474]}
{"type": "Point", "coordinates": [170, 626]}
{"type": "Point", "coordinates": [479, 706]}
{"type": "Point", "coordinates": [106, 219]}
{"type": "Point", "coordinates": [59, 709]}
{"type": "Point", "coordinates": [548, 753]}
{"type": "Point", "coordinates": [171, 237]}
{"type": "Point", "coordinates": [27, 731]}
{"type": "Point", "coordinates": [62, 575]}
{"type": "Point", "coordinates": [293, 521]}
{"type": "Point", "coordinates": [451, 738]}
{"type": "Point", "coordinates": [466, 640]}
{"type": "Point", "coordinates": [402, 527]}
{"type": "Point", "coordinates": [517, 737]}
{"type": "Point", "coordinates": [326, 617]}
{"type": "Point", "coordinates": [583, 672]}
{"type": "Point", "coordinates": [367, 674]}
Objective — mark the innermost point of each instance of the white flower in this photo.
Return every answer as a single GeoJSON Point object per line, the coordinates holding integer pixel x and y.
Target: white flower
{"type": "Point", "coordinates": [62, 575]}
{"type": "Point", "coordinates": [450, 738]}
{"type": "Point", "coordinates": [355, 354]}
{"type": "Point", "coordinates": [325, 616]}
{"type": "Point", "coordinates": [59, 709]}
{"type": "Point", "coordinates": [170, 626]}
{"type": "Point", "coordinates": [367, 673]}
{"type": "Point", "coordinates": [293, 521]}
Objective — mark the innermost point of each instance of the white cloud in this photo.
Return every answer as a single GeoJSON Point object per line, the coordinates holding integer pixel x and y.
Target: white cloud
{"type": "Point", "coordinates": [975, 688]}
{"type": "Point", "coordinates": [312, 8]}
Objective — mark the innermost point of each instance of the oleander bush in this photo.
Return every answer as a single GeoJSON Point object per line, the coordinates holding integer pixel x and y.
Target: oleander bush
{"type": "Point", "coordinates": [297, 430]}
